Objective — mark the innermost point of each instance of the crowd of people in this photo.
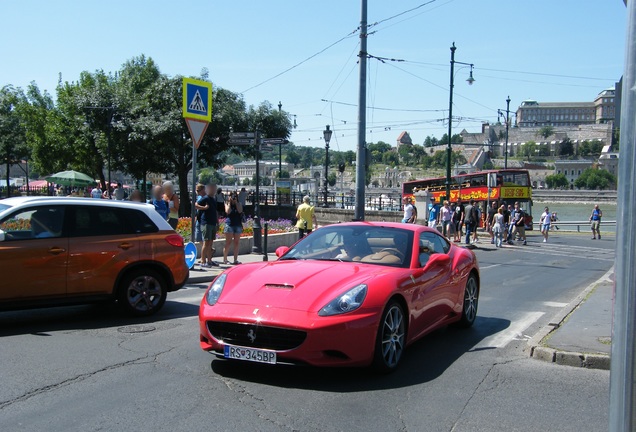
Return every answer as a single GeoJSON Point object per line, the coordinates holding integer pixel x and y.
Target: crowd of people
{"type": "Point", "coordinates": [503, 223]}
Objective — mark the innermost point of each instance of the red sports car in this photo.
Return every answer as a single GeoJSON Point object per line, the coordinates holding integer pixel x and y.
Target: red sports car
{"type": "Point", "coordinates": [352, 294]}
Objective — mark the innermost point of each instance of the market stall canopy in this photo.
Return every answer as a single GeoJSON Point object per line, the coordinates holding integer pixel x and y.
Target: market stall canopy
{"type": "Point", "coordinates": [71, 178]}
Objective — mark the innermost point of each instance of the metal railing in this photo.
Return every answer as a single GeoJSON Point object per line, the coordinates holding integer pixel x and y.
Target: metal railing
{"type": "Point", "coordinates": [373, 201]}
{"type": "Point", "coordinates": [576, 225]}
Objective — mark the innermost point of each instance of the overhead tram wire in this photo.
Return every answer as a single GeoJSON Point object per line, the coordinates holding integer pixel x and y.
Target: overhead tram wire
{"type": "Point", "coordinates": [303, 61]}
{"type": "Point", "coordinates": [385, 109]}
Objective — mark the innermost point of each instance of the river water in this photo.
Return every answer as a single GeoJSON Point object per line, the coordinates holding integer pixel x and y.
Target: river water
{"type": "Point", "coordinates": [576, 212]}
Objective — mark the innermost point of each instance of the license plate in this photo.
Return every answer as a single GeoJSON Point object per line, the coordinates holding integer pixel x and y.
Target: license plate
{"type": "Point", "coordinates": [249, 354]}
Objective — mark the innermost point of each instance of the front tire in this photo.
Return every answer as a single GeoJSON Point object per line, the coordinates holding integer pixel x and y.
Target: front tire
{"type": "Point", "coordinates": [391, 339]}
{"type": "Point", "coordinates": [142, 292]}
{"type": "Point", "coordinates": [471, 301]}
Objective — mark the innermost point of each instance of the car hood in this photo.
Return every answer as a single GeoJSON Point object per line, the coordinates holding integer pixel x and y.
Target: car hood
{"type": "Point", "coordinates": [297, 285]}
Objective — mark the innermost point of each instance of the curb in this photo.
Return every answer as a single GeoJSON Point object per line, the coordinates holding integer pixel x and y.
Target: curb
{"type": "Point", "coordinates": [562, 357]}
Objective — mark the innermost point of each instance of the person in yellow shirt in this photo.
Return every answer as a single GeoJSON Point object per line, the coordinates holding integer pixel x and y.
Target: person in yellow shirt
{"type": "Point", "coordinates": [306, 218]}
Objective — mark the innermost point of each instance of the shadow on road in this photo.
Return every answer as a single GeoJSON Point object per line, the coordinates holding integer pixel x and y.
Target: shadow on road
{"type": "Point", "coordinates": [424, 361]}
{"type": "Point", "coordinates": [84, 317]}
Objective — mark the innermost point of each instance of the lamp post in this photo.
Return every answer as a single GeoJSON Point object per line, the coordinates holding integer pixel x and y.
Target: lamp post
{"type": "Point", "coordinates": [327, 136]}
{"type": "Point", "coordinates": [449, 150]}
{"type": "Point", "coordinates": [507, 117]}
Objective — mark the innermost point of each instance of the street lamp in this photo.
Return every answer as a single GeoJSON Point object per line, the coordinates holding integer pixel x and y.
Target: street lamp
{"type": "Point", "coordinates": [449, 150]}
{"type": "Point", "coordinates": [327, 136]}
{"type": "Point", "coordinates": [507, 117]}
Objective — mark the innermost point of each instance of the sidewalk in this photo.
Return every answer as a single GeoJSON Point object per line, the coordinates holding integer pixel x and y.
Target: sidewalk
{"type": "Point", "coordinates": [580, 335]}
{"type": "Point", "coordinates": [200, 274]}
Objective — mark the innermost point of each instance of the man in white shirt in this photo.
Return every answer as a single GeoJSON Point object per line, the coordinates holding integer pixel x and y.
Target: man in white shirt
{"type": "Point", "coordinates": [409, 211]}
{"type": "Point", "coordinates": [96, 193]}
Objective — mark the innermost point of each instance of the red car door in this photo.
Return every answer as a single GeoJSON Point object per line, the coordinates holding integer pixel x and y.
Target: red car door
{"type": "Point", "coordinates": [431, 285]}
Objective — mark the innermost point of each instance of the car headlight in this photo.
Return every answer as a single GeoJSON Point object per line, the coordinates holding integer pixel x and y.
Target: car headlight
{"type": "Point", "coordinates": [215, 290]}
{"type": "Point", "coordinates": [347, 302]}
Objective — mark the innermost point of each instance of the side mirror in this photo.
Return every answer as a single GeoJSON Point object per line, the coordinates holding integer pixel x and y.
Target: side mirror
{"type": "Point", "coordinates": [2, 235]}
{"type": "Point", "coordinates": [438, 259]}
{"type": "Point", "coordinates": [281, 251]}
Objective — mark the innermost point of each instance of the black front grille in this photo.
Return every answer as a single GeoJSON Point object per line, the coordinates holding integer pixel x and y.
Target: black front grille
{"type": "Point", "coordinates": [256, 336]}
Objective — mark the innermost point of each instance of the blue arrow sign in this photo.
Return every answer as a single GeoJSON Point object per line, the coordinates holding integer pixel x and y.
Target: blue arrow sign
{"type": "Point", "coordinates": [190, 254]}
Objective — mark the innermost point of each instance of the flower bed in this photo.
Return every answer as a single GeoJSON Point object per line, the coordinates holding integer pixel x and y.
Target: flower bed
{"type": "Point", "coordinates": [277, 226]}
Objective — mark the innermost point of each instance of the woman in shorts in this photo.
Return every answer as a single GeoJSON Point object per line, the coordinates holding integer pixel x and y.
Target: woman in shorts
{"type": "Point", "coordinates": [233, 227]}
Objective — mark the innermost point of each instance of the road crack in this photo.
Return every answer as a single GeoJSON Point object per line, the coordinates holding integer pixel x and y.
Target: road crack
{"type": "Point", "coordinates": [479, 386]}
{"type": "Point", "coordinates": [79, 378]}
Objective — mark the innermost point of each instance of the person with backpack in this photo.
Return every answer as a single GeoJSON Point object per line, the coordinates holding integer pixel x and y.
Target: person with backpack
{"type": "Point", "coordinates": [595, 222]}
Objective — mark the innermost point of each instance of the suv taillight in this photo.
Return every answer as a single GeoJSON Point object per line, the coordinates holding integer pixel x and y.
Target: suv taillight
{"type": "Point", "coordinates": [175, 240]}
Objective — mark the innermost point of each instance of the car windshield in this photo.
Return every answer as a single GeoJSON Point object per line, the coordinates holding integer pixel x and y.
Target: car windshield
{"type": "Point", "coordinates": [356, 243]}
{"type": "Point", "coordinates": [3, 207]}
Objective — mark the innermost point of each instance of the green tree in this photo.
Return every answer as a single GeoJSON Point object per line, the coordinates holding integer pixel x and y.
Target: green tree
{"type": "Point", "coordinates": [566, 147]}
{"type": "Point", "coordinates": [282, 174]}
{"type": "Point", "coordinates": [529, 149]}
{"type": "Point", "coordinates": [545, 132]}
{"type": "Point", "coordinates": [12, 128]}
{"type": "Point", "coordinates": [209, 175]}
{"type": "Point", "coordinates": [554, 181]}
{"type": "Point", "coordinates": [594, 179]}
{"type": "Point", "coordinates": [292, 157]}
{"type": "Point", "coordinates": [332, 178]}
{"type": "Point", "coordinates": [430, 141]}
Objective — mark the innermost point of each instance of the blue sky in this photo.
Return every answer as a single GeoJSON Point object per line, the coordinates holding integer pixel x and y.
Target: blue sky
{"type": "Point", "coordinates": [512, 44]}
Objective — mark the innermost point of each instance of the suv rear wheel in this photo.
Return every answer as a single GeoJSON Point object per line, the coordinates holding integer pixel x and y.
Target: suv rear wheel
{"type": "Point", "coordinates": [142, 292]}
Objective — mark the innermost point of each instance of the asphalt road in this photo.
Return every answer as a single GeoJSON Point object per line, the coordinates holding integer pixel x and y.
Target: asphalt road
{"type": "Point", "coordinates": [87, 368]}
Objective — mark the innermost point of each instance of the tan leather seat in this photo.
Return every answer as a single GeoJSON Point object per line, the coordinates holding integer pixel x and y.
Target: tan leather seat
{"type": "Point", "coordinates": [382, 258]}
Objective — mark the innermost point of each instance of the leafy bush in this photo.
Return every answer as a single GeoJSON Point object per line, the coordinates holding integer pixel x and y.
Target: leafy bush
{"type": "Point", "coordinates": [277, 226]}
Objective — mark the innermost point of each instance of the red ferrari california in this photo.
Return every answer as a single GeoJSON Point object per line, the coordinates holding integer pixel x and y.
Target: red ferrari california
{"type": "Point", "coordinates": [352, 294]}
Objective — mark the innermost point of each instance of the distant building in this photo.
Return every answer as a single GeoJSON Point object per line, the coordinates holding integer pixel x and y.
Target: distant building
{"type": "Point", "coordinates": [404, 138]}
{"type": "Point", "coordinates": [566, 114]}
{"type": "Point", "coordinates": [532, 113]}
{"type": "Point", "coordinates": [572, 169]}
{"type": "Point", "coordinates": [247, 169]}
{"type": "Point", "coordinates": [609, 161]}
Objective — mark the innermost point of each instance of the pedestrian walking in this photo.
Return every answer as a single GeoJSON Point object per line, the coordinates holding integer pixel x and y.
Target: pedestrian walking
{"type": "Point", "coordinates": [242, 196]}
{"type": "Point", "coordinates": [470, 219]}
{"type": "Point", "coordinates": [409, 211]}
{"type": "Point", "coordinates": [173, 203]}
{"type": "Point", "coordinates": [96, 192]}
{"type": "Point", "coordinates": [161, 206]}
{"type": "Point", "coordinates": [306, 218]}
{"type": "Point", "coordinates": [545, 221]}
{"type": "Point", "coordinates": [119, 193]}
{"type": "Point", "coordinates": [478, 222]}
{"type": "Point", "coordinates": [498, 226]}
{"type": "Point", "coordinates": [492, 211]}
{"type": "Point", "coordinates": [446, 215]}
{"type": "Point", "coordinates": [220, 203]}
{"type": "Point", "coordinates": [506, 226]}
{"type": "Point", "coordinates": [518, 225]}
{"type": "Point", "coordinates": [433, 214]}
{"type": "Point", "coordinates": [209, 224]}
{"type": "Point", "coordinates": [198, 233]}
{"type": "Point", "coordinates": [555, 219]}
{"type": "Point", "coordinates": [595, 222]}
{"type": "Point", "coordinates": [458, 220]}
{"type": "Point", "coordinates": [233, 227]}
{"type": "Point", "coordinates": [135, 196]}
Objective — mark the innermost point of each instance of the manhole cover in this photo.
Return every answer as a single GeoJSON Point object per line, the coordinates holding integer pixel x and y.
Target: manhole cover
{"type": "Point", "coordinates": [136, 329]}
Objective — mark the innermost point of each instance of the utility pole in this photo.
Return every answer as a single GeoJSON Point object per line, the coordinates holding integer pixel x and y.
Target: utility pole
{"type": "Point", "coordinates": [622, 411]}
{"type": "Point", "coordinates": [361, 156]}
{"type": "Point", "coordinates": [257, 248]}
{"type": "Point", "coordinates": [507, 117]}
{"type": "Point", "coordinates": [449, 149]}
{"type": "Point", "coordinates": [280, 146]}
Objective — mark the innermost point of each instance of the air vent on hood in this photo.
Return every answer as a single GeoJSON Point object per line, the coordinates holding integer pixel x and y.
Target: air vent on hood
{"type": "Point", "coordinates": [279, 286]}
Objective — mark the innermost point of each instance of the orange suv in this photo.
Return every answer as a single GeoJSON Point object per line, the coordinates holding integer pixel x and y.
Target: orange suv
{"type": "Point", "coordinates": [59, 251]}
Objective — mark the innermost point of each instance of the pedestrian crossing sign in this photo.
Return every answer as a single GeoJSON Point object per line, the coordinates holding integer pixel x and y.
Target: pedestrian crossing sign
{"type": "Point", "coordinates": [197, 99]}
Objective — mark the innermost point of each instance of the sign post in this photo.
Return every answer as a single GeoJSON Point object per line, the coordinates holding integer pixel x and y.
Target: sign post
{"type": "Point", "coordinates": [197, 111]}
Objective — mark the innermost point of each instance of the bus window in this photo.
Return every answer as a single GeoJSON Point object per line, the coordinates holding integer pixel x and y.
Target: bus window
{"type": "Point", "coordinates": [521, 179]}
{"type": "Point", "coordinates": [478, 180]}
